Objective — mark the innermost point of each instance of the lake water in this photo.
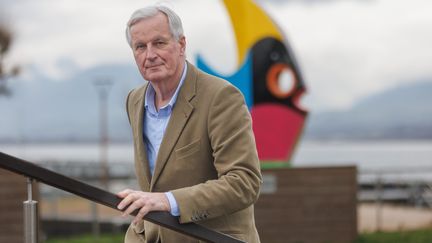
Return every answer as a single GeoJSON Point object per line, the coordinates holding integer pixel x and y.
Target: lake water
{"type": "Point", "coordinates": [390, 160]}
{"type": "Point", "coordinates": [397, 157]}
{"type": "Point", "coordinates": [365, 154]}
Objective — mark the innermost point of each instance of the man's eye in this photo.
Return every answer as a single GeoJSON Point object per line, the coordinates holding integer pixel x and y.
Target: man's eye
{"type": "Point", "coordinates": [160, 43]}
{"type": "Point", "coordinates": [139, 47]}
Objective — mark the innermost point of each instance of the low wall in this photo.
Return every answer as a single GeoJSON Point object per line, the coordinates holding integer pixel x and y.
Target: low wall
{"type": "Point", "coordinates": [13, 191]}
{"type": "Point", "coordinates": [308, 205]}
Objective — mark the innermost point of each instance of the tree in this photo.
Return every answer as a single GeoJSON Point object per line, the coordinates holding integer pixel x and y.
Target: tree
{"type": "Point", "coordinates": [5, 42]}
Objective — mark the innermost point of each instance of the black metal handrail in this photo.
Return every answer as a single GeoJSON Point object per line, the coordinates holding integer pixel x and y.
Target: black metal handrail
{"type": "Point", "coordinates": [108, 199]}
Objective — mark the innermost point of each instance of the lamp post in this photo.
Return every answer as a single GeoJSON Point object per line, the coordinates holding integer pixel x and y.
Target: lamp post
{"type": "Point", "coordinates": [102, 86]}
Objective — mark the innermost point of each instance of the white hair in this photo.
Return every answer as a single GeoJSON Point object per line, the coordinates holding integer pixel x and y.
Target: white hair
{"type": "Point", "coordinates": [174, 20]}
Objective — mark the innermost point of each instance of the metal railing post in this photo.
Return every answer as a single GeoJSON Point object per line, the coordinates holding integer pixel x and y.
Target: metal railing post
{"type": "Point", "coordinates": [379, 189]}
{"type": "Point", "coordinates": [30, 216]}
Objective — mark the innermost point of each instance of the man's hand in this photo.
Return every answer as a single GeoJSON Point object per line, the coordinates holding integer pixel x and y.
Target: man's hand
{"type": "Point", "coordinates": [144, 201]}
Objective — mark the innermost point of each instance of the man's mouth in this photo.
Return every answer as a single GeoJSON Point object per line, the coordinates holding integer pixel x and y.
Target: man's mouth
{"type": "Point", "coordinates": [152, 66]}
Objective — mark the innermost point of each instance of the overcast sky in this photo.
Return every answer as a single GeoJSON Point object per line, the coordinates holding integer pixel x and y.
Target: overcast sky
{"type": "Point", "coordinates": [346, 49]}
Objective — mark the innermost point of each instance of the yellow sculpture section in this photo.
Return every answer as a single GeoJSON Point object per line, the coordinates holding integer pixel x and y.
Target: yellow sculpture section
{"type": "Point", "coordinates": [250, 24]}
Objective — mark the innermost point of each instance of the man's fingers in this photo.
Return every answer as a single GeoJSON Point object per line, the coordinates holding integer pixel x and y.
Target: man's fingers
{"type": "Point", "coordinates": [124, 193]}
{"type": "Point", "coordinates": [128, 199]}
{"type": "Point", "coordinates": [142, 201]}
{"type": "Point", "coordinates": [139, 203]}
{"type": "Point", "coordinates": [143, 211]}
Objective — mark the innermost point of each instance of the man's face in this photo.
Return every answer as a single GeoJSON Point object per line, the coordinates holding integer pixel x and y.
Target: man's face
{"type": "Point", "coordinates": [158, 55]}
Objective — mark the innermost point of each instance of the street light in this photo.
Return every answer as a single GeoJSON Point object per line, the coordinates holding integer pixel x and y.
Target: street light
{"type": "Point", "coordinates": [102, 86]}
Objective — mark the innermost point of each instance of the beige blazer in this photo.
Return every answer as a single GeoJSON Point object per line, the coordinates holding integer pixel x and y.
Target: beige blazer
{"type": "Point", "coordinates": [207, 158]}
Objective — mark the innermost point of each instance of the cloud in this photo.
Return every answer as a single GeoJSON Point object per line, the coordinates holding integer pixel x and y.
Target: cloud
{"type": "Point", "coordinates": [346, 49]}
{"type": "Point", "coordinates": [349, 49]}
{"type": "Point", "coordinates": [88, 32]}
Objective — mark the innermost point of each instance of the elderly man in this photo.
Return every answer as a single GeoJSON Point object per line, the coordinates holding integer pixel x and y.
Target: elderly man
{"type": "Point", "coordinates": [195, 153]}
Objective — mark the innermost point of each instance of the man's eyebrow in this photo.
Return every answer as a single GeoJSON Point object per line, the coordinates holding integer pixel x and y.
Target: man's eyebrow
{"type": "Point", "coordinates": [137, 43]}
{"type": "Point", "coordinates": [161, 37]}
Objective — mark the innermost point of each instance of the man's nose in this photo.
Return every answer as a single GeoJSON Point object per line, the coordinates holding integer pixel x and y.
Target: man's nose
{"type": "Point", "coordinates": [151, 53]}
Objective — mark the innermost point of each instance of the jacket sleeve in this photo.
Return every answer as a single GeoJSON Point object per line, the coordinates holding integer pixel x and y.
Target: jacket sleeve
{"type": "Point", "coordinates": [235, 160]}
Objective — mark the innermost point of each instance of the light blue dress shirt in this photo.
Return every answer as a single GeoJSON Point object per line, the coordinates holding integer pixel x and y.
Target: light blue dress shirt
{"type": "Point", "coordinates": [155, 123]}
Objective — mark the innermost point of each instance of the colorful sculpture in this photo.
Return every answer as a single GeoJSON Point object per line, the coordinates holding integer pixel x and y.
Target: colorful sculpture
{"type": "Point", "coordinates": [269, 79]}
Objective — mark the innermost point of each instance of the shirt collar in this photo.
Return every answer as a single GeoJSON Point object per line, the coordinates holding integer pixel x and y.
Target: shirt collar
{"type": "Point", "coordinates": [150, 95]}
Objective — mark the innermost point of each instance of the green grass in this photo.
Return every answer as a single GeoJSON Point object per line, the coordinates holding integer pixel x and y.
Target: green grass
{"type": "Point", "coordinates": [416, 236]}
{"type": "Point", "coordinates": [118, 238]}
{"type": "Point", "coordinates": [274, 165]}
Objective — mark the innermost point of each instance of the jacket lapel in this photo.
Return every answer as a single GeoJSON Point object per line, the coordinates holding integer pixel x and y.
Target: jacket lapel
{"type": "Point", "coordinates": [179, 117]}
{"type": "Point", "coordinates": [141, 164]}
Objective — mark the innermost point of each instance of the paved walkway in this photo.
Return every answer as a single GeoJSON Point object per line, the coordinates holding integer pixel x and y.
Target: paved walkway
{"type": "Point", "coordinates": [392, 218]}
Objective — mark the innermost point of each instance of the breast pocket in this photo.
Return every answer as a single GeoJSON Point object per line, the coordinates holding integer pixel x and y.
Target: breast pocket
{"type": "Point", "coordinates": [188, 150]}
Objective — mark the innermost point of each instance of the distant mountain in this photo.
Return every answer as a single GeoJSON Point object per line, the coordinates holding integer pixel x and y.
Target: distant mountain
{"type": "Point", "coordinates": [402, 112]}
{"type": "Point", "coordinates": [42, 109]}
{"type": "Point", "coordinates": [46, 110]}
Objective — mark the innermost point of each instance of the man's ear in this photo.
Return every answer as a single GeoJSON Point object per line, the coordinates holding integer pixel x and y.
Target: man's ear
{"type": "Point", "coordinates": [182, 42]}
